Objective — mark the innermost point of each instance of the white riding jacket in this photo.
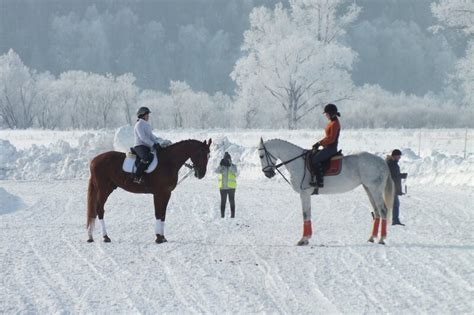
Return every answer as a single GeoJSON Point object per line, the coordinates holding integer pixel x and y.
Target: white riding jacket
{"type": "Point", "coordinates": [144, 135]}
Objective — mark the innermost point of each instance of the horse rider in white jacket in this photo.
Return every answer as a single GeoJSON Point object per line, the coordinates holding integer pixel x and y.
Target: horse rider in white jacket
{"type": "Point", "coordinates": [145, 141]}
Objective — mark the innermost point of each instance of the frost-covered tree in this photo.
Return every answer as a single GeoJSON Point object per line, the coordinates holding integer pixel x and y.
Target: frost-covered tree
{"type": "Point", "coordinates": [17, 92]}
{"type": "Point", "coordinates": [94, 99]}
{"type": "Point", "coordinates": [459, 15]}
{"type": "Point", "coordinates": [191, 109]}
{"type": "Point", "coordinates": [51, 102]}
{"type": "Point", "coordinates": [294, 62]}
{"type": "Point", "coordinates": [465, 74]}
{"type": "Point", "coordinates": [127, 95]}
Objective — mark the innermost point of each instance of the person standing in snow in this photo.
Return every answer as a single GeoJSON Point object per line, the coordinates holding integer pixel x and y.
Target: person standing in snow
{"type": "Point", "coordinates": [227, 183]}
{"type": "Point", "coordinates": [145, 141]}
{"type": "Point", "coordinates": [392, 162]}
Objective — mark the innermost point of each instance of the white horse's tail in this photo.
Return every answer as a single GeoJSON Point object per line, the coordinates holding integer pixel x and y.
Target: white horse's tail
{"type": "Point", "coordinates": [389, 196]}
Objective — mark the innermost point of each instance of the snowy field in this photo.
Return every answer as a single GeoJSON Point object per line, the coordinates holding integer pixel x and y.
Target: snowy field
{"type": "Point", "coordinates": [249, 264]}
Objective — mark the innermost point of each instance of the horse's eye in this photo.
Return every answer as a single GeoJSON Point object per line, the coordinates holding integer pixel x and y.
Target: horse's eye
{"type": "Point", "coordinates": [261, 156]}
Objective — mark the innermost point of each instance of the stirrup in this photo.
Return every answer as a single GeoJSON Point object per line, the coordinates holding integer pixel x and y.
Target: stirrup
{"type": "Point", "coordinates": [138, 180]}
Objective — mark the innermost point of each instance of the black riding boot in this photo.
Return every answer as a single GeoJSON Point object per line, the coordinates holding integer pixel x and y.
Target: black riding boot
{"type": "Point", "coordinates": [320, 176]}
{"type": "Point", "coordinates": [317, 177]}
{"type": "Point", "coordinates": [139, 172]}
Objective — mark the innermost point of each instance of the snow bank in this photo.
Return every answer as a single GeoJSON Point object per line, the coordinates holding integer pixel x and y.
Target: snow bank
{"type": "Point", "coordinates": [53, 161]}
{"type": "Point", "coordinates": [8, 202]}
{"type": "Point", "coordinates": [62, 160]}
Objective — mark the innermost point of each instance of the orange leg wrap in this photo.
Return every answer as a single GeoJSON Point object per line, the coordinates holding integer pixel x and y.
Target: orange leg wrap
{"type": "Point", "coordinates": [384, 227]}
{"type": "Point", "coordinates": [375, 230]}
{"type": "Point", "coordinates": [307, 230]}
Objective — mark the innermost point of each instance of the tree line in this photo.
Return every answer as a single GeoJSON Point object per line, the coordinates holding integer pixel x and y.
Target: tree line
{"type": "Point", "coordinates": [294, 60]}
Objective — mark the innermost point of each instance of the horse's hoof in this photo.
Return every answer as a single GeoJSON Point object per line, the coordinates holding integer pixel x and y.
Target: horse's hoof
{"type": "Point", "coordinates": [90, 240]}
{"type": "Point", "coordinates": [303, 243]}
{"type": "Point", "coordinates": [107, 239]}
{"type": "Point", "coordinates": [371, 239]}
{"type": "Point", "coordinates": [382, 241]}
{"type": "Point", "coordinates": [160, 239]}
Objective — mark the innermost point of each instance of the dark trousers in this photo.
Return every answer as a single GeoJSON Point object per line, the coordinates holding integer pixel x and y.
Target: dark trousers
{"type": "Point", "coordinates": [320, 157]}
{"type": "Point", "coordinates": [144, 158]}
{"type": "Point", "coordinates": [231, 194]}
{"type": "Point", "coordinates": [396, 210]}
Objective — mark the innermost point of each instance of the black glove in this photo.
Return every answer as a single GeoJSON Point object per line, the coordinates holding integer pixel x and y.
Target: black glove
{"type": "Point", "coordinates": [403, 175]}
{"type": "Point", "coordinates": [316, 146]}
{"type": "Point", "coordinates": [157, 147]}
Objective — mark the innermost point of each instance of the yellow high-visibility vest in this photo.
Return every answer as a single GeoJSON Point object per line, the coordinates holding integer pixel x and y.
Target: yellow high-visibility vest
{"type": "Point", "coordinates": [230, 183]}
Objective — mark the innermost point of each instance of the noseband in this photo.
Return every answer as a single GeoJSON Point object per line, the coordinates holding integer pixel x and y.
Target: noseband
{"type": "Point", "coordinates": [271, 167]}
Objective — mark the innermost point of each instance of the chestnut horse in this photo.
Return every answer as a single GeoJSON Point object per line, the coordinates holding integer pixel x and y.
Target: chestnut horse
{"type": "Point", "coordinates": [107, 175]}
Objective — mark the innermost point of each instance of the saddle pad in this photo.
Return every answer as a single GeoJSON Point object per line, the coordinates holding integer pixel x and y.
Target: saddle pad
{"type": "Point", "coordinates": [335, 166]}
{"type": "Point", "coordinates": [129, 163]}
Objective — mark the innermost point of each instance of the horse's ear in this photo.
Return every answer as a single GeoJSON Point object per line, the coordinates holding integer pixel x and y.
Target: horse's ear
{"type": "Point", "coordinates": [209, 142]}
{"type": "Point", "coordinates": [261, 140]}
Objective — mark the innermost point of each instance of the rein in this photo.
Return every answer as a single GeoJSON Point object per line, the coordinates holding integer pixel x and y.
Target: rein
{"type": "Point", "coordinates": [270, 166]}
{"type": "Point", "coordinates": [191, 168]}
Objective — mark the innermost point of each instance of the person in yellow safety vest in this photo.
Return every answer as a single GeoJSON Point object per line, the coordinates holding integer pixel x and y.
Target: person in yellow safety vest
{"type": "Point", "coordinates": [227, 183]}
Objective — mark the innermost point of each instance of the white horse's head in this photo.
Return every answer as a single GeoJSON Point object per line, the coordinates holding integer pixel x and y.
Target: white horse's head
{"type": "Point", "coordinates": [266, 159]}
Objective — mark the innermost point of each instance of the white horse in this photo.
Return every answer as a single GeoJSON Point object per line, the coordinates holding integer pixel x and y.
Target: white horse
{"type": "Point", "coordinates": [363, 168]}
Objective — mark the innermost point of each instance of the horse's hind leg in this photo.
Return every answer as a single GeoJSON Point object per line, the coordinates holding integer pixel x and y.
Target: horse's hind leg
{"type": "Point", "coordinates": [307, 229]}
{"type": "Point", "coordinates": [101, 199]}
{"type": "Point", "coordinates": [375, 216]}
{"type": "Point", "coordinates": [380, 214]}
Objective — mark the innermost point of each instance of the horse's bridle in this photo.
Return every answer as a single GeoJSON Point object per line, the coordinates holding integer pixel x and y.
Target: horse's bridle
{"type": "Point", "coordinates": [271, 167]}
{"type": "Point", "coordinates": [191, 165]}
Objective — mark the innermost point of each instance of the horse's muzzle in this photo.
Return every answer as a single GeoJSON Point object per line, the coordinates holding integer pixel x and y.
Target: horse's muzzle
{"type": "Point", "coordinates": [199, 174]}
{"type": "Point", "coordinates": [269, 173]}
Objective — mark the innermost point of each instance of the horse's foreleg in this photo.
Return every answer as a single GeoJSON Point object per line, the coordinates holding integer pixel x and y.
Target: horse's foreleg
{"type": "Point", "coordinates": [307, 229]}
{"type": "Point", "coordinates": [160, 202]}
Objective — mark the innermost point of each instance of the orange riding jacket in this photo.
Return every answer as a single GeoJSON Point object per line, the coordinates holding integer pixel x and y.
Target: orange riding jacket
{"type": "Point", "coordinates": [332, 133]}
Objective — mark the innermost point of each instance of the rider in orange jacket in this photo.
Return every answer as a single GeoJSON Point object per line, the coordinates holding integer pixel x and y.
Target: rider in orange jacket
{"type": "Point", "coordinates": [329, 144]}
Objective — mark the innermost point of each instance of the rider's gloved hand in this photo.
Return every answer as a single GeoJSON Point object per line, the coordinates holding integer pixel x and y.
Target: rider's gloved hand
{"type": "Point", "coordinates": [316, 146]}
{"type": "Point", "coordinates": [157, 147]}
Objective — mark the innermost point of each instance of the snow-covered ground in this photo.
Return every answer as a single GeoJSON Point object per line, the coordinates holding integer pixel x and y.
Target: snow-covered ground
{"type": "Point", "coordinates": [249, 264]}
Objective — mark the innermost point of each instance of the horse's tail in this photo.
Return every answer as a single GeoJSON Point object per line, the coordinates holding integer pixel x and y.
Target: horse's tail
{"type": "Point", "coordinates": [389, 196]}
{"type": "Point", "coordinates": [91, 202]}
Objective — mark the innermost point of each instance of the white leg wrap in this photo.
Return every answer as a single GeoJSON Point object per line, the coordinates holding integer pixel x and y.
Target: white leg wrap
{"type": "Point", "coordinates": [160, 227]}
{"type": "Point", "coordinates": [102, 224]}
{"type": "Point", "coordinates": [90, 230]}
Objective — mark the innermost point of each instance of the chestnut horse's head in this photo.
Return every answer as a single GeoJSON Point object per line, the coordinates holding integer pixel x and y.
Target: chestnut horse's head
{"type": "Point", "coordinates": [200, 159]}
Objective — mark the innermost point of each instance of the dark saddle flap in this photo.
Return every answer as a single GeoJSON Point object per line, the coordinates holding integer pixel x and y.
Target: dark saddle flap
{"type": "Point", "coordinates": [331, 166]}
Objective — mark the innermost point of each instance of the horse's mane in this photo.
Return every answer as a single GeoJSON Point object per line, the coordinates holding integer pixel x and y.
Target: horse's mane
{"type": "Point", "coordinates": [179, 142]}
{"type": "Point", "coordinates": [286, 142]}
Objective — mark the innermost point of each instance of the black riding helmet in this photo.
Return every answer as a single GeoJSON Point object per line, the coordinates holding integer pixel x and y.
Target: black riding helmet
{"type": "Point", "coordinates": [331, 109]}
{"type": "Point", "coordinates": [142, 111]}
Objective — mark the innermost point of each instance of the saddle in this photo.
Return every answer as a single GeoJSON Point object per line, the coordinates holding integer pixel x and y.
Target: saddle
{"type": "Point", "coordinates": [331, 167]}
{"type": "Point", "coordinates": [131, 162]}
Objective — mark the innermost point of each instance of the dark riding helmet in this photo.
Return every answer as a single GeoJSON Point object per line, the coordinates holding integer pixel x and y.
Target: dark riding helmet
{"type": "Point", "coordinates": [331, 109]}
{"type": "Point", "coordinates": [142, 111]}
